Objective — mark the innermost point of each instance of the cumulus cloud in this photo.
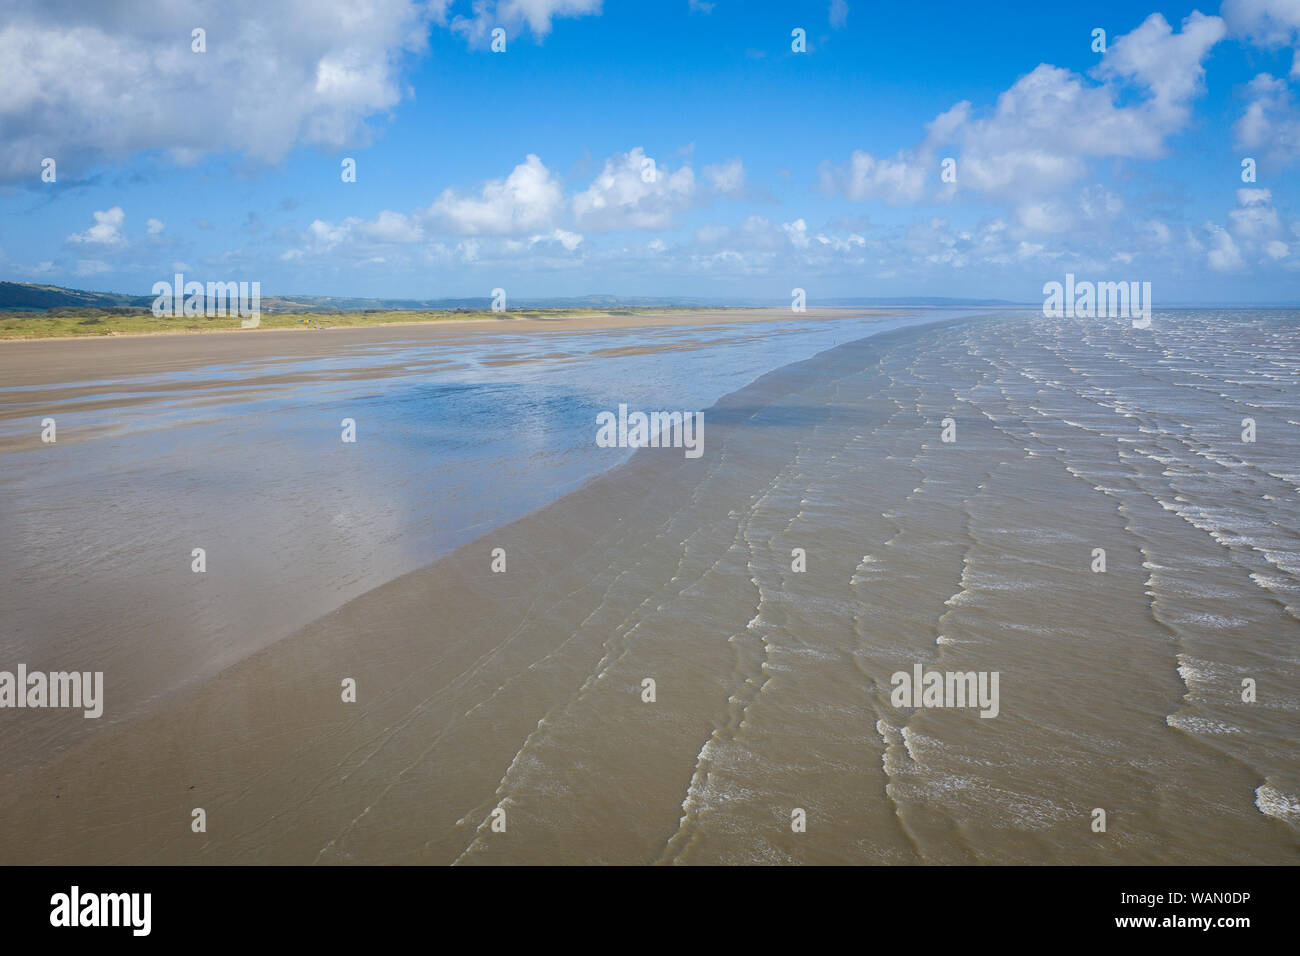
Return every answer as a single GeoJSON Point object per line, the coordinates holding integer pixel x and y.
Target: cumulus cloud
{"type": "Point", "coordinates": [1046, 127]}
{"type": "Point", "coordinates": [1223, 255]}
{"type": "Point", "coordinates": [107, 230]}
{"type": "Point", "coordinates": [726, 178]}
{"type": "Point", "coordinates": [757, 240]}
{"type": "Point", "coordinates": [391, 226]}
{"type": "Point", "coordinates": [1090, 233]}
{"type": "Point", "coordinates": [514, 16]}
{"type": "Point", "coordinates": [633, 192]}
{"type": "Point", "coordinates": [101, 81]}
{"type": "Point", "coordinates": [1254, 233]}
{"type": "Point", "coordinates": [527, 200]}
{"type": "Point", "coordinates": [901, 179]}
{"type": "Point", "coordinates": [1268, 23]}
{"type": "Point", "coordinates": [326, 235]}
{"type": "Point", "coordinates": [1271, 123]}
{"type": "Point", "coordinates": [1255, 218]}
{"type": "Point", "coordinates": [154, 227]}
{"type": "Point", "coordinates": [1050, 122]}
{"type": "Point", "coordinates": [526, 203]}
{"type": "Point", "coordinates": [896, 181]}
{"type": "Point", "coordinates": [528, 210]}
{"type": "Point", "coordinates": [797, 232]}
{"type": "Point", "coordinates": [1165, 63]}
{"type": "Point", "coordinates": [569, 240]}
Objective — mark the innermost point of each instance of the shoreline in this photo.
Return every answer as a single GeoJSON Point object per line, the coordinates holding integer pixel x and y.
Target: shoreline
{"type": "Point", "coordinates": [575, 322]}
{"type": "Point", "coordinates": [119, 743]}
{"type": "Point", "coordinates": [269, 376]}
{"type": "Point", "coordinates": [522, 692]}
{"type": "Point", "coordinates": [62, 361]}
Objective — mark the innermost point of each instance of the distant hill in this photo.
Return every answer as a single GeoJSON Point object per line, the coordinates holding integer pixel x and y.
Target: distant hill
{"type": "Point", "coordinates": [29, 297]}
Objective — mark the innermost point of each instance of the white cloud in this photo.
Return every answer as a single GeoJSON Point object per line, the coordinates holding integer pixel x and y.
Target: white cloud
{"type": "Point", "coordinates": [1047, 126]}
{"type": "Point", "coordinates": [527, 200]}
{"type": "Point", "coordinates": [726, 178]}
{"type": "Point", "coordinates": [839, 14]}
{"type": "Point", "coordinates": [391, 226]}
{"type": "Point", "coordinates": [902, 179]}
{"type": "Point", "coordinates": [154, 226]}
{"type": "Point", "coordinates": [1167, 64]}
{"type": "Point", "coordinates": [797, 232]}
{"type": "Point", "coordinates": [569, 240]}
{"type": "Point", "coordinates": [841, 244]}
{"type": "Point", "coordinates": [514, 15]}
{"type": "Point", "coordinates": [1268, 23]}
{"type": "Point", "coordinates": [104, 80]}
{"type": "Point", "coordinates": [1158, 233]}
{"type": "Point", "coordinates": [630, 192]}
{"type": "Point", "coordinates": [1255, 218]}
{"type": "Point", "coordinates": [1099, 204]}
{"type": "Point", "coordinates": [1044, 216]}
{"type": "Point", "coordinates": [1050, 121]}
{"type": "Point", "coordinates": [107, 230]}
{"type": "Point", "coordinates": [327, 234]}
{"type": "Point", "coordinates": [895, 181]}
{"type": "Point", "coordinates": [1271, 123]}
{"type": "Point", "coordinates": [1254, 233]}
{"type": "Point", "coordinates": [1224, 256]}
{"type": "Point", "coordinates": [633, 192]}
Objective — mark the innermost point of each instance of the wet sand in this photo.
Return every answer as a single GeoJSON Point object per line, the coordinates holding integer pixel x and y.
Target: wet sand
{"type": "Point", "coordinates": [44, 361]}
{"type": "Point", "coordinates": [456, 433]}
{"type": "Point", "coordinates": [522, 691]}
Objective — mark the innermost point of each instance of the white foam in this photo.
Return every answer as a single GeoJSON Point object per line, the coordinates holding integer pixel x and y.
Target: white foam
{"type": "Point", "coordinates": [1274, 803]}
{"type": "Point", "coordinates": [1199, 725]}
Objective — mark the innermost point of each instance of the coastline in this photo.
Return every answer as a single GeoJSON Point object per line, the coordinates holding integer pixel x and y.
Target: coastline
{"type": "Point", "coordinates": [593, 321]}
{"type": "Point", "coordinates": [523, 691]}
{"type": "Point", "coordinates": [288, 684]}
{"type": "Point", "coordinates": [303, 526]}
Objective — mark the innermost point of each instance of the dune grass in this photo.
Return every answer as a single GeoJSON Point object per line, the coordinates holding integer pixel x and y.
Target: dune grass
{"type": "Point", "coordinates": [90, 322]}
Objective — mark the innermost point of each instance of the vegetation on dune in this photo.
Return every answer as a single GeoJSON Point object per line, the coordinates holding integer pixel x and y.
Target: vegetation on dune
{"type": "Point", "coordinates": [127, 320]}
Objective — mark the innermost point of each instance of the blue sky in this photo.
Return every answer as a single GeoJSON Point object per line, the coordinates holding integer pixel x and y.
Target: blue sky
{"type": "Point", "coordinates": [527, 169]}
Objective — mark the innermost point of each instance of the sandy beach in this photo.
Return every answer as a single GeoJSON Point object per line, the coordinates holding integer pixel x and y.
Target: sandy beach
{"type": "Point", "coordinates": [243, 456]}
{"type": "Point", "coordinates": [45, 361]}
{"type": "Point", "coordinates": [519, 697]}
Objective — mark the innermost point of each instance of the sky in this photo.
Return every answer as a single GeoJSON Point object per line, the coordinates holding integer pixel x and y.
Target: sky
{"type": "Point", "coordinates": [676, 148]}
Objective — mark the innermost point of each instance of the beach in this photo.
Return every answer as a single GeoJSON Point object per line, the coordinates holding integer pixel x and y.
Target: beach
{"type": "Point", "coordinates": [877, 494]}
